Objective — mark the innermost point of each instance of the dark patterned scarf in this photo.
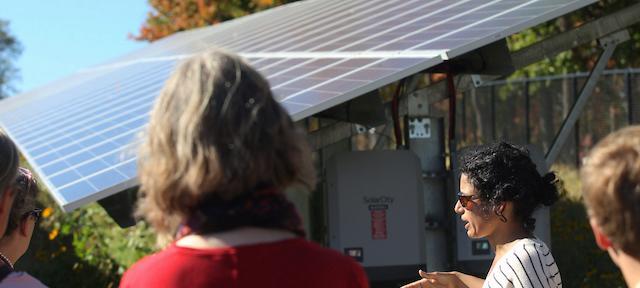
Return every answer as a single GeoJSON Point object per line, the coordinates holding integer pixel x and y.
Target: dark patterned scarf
{"type": "Point", "coordinates": [264, 208]}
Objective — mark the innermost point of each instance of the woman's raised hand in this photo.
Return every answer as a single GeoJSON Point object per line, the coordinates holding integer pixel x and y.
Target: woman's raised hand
{"type": "Point", "coordinates": [422, 283]}
{"type": "Point", "coordinates": [437, 280]}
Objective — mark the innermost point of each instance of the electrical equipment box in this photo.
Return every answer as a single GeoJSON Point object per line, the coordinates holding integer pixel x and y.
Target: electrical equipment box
{"type": "Point", "coordinates": [376, 212]}
{"type": "Point", "coordinates": [474, 255]}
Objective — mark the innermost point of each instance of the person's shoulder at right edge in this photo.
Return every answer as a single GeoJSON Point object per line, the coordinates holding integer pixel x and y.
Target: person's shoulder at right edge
{"type": "Point", "coordinates": [332, 263]}
{"type": "Point", "coordinates": [21, 280]}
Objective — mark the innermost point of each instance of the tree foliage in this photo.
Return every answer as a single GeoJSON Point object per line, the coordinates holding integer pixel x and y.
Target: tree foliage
{"type": "Point", "coordinates": [171, 16]}
{"type": "Point", "coordinates": [584, 57]}
{"type": "Point", "coordinates": [86, 243]}
{"type": "Point", "coordinates": [10, 49]}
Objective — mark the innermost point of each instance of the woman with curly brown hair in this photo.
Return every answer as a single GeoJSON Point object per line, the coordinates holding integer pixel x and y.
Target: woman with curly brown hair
{"type": "Point", "coordinates": [500, 188]}
{"type": "Point", "coordinates": [219, 153]}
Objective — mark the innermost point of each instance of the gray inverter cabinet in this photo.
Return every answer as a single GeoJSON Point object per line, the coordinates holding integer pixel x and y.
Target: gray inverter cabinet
{"type": "Point", "coordinates": [376, 212]}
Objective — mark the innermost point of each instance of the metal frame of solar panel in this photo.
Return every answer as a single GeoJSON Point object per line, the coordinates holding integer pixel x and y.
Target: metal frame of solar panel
{"type": "Point", "coordinates": [79, 133]}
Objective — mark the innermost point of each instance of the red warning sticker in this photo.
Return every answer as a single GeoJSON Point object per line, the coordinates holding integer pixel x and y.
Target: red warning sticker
{"type": "Point", "coordinates": [378, 221]}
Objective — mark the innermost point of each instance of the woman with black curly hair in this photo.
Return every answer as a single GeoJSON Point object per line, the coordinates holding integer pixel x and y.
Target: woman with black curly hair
{"type": "Point", "coordinates": [500, 188]}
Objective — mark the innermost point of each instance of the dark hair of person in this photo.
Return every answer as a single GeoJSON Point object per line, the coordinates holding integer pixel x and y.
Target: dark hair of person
{"type": "Point", "coordinates": [505, 172]}
{"type": "Point", "coordinates": [8, 162]}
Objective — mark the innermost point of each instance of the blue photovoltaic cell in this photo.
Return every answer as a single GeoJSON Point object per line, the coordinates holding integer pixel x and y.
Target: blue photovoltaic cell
{"type": "Point", "coordinates": [80, 133]}
{"type": "Point", "coordinates": [88, 136]}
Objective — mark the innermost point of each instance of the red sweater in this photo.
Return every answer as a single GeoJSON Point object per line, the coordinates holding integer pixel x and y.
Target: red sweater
{"type": "Point", "coordinates": [287, 263]}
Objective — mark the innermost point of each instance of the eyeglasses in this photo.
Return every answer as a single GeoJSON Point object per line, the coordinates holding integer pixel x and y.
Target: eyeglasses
{"type": "Point", "coordinates": [35, 213]}
{"type": "Point", "coordinates": [25, 179]}
{"type": "Point", "coordinates": [465, 199]}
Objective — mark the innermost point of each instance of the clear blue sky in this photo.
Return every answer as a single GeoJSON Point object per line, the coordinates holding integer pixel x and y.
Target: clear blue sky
{"type": "Point", "coordinates": [60, 37]}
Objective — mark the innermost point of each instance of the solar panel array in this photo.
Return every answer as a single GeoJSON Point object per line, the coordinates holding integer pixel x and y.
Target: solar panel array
{"type": "Point", "coordinates": [79, 133]}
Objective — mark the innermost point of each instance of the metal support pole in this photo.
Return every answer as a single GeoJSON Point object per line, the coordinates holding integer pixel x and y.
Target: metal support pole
{"type": "Point", "coordinates": [493, 112]}
{"type": "Point", "coordinates": [609, 44]}
{"type": "Point", "coordinates": [425, 137]}
{"type": "Point", "coordinates": [629, 92]}
{"type": "Point", "coordinates": [574, 91]}
{"type": "Point", "coordinates": [383, 137]}
{"type": "Point", "coordinates": [464, 116]}
{"type": "Point", "coordinates": [527, 108]}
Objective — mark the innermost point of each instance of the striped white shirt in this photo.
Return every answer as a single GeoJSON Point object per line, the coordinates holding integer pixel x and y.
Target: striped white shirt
{"type": "Point", "coordinates": [529, 264]}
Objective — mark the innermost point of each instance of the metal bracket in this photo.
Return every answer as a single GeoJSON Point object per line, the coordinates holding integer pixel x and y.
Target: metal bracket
{"type": "Point", "coordinates": [418, 104]}
{"type": "Point", "coordinates": [432, 224]}
{"type": "Point", "coordinates": [434, 175]}
{"type": "Point", "coordinates": [608, 43]}
{"type": "Point", "coordinates": [614, 39]}
{"type": "Point", "coordinates": [477, 80]}
{"type": "Point", "coordinates": [419, 128]}
{"type": "Point", "coordinates": [359, 129]}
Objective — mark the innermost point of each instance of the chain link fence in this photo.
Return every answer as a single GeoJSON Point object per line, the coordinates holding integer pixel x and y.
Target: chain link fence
{"type": "Point", "coordinates": [532, 110]}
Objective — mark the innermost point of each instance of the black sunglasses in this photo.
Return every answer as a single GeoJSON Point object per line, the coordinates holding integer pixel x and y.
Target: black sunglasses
{"type": "Point", "coordinates": [35, 213]}
{"type": "Point", "coordinates": [465, 199]}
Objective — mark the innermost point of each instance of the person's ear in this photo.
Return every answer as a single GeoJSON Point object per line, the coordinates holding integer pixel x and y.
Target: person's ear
{"type": "Point", "coordinates": [601, 240]}
{"type": "Point", "coordinates": [499, 209]}
{"type": "Point", "coordinates": [24, 227]}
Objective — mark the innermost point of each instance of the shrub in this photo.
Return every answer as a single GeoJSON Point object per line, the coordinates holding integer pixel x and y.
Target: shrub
{"type": "Point", "coordinates": [86, 243]}
{"type": "Point", "coordinates": [581, 262]}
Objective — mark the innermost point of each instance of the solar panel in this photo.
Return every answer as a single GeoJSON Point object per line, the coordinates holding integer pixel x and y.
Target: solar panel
{"type": "Point", "coordinates": [79, 133]}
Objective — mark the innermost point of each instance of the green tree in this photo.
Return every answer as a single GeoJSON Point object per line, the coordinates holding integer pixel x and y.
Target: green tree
{"type": "Point", "coordinates": [579, 59]}
{"type": "Point", "coordinates": [171, 16]}
{"type": "Point", "coordinates": [10, 49]}
{"type": "Point", "coordinates": [582, 58]}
